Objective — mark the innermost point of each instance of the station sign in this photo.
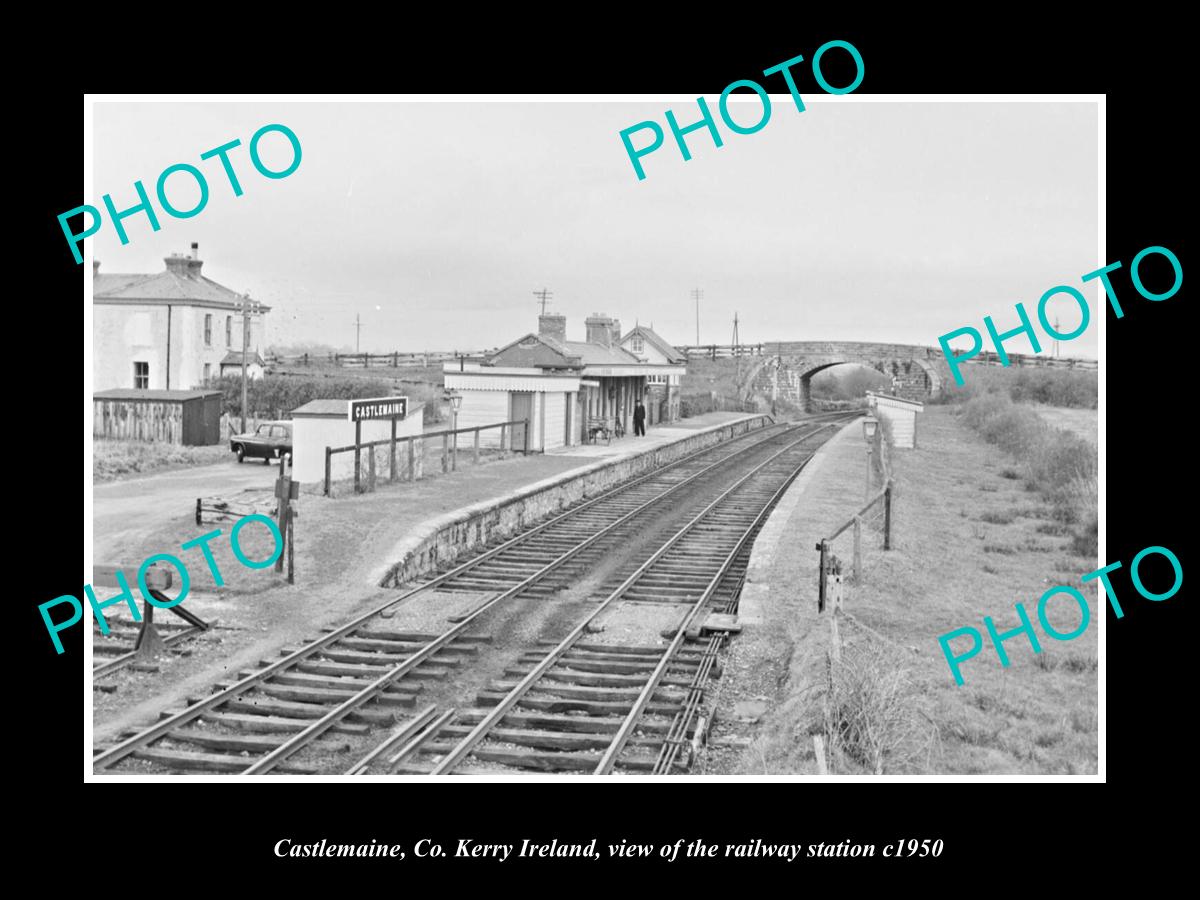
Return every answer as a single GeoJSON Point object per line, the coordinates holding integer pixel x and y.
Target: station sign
{"type": "Point", "coordinates": [378, 408]}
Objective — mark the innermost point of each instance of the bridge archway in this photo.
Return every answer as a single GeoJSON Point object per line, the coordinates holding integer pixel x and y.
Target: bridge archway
{"type": "Point", "coordinates": [788, 368]}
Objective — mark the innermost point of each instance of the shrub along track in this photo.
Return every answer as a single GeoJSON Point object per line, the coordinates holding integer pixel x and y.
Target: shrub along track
{"type": "Point", "coordinates": [287, 715]}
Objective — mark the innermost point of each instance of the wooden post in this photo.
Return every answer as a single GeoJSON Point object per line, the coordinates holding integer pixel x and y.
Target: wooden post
{"type": "Point", "coordinates": [887, 516]}
{"type": "Point", "coordinates": [503, 437]}
{"type": "Point", "coordinates": [357, 452]}
{"type": "Point", "coordinates": [412, 461]}
{"type": "Point", "coordinates": [857, 549]}
{"type": "Point", "coordinates": [445, 451]}
{"type": "Point", "coordinates": [835, 591]}
{"type": "Point", "coordinates": [291, 545]}
{"type": "Point", "coordinates": [823, 548]}
{"type": "Point", "coordinates": [371, 467]}
{"type": "Point", "coordinates": [392, 469]}
{"type": "Point", "coordinates": [328, 472]}
{"type": "Point", "coordinates": [197, 510]}
{"type": "Point", "coordinates": [476, 446]}
{"type": "Point", "coordinates": [819, 753]}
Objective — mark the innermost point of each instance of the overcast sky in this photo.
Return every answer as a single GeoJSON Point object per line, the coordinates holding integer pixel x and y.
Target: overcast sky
{"type": "Point", "coordinates": [436, 221]}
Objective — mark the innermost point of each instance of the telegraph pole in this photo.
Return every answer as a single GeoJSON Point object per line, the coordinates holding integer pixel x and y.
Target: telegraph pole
{"type": "Point", "coordinates": [544, 296]}
{"type": "Point", "coordinates": [737, 348]}
{"type": "Point", "coordinates": [697, 295]}
{"type": "Point", "coordinates": [357, 332]}
{"type": "Point", "coordinates": [247, 306]}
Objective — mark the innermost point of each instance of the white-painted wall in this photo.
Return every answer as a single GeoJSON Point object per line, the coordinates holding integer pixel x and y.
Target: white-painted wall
{"type": "Point", "coordinates": [555, 419]}
{"type": "Point", "coordinates": [481, 408]}
{"type": "Point", "coordinates": [312, 434]}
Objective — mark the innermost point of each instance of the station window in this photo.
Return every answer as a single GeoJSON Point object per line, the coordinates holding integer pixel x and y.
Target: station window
{"type": "Point", "coordinates": [636, 344]}
{"type": "Point", "coordinates": [229, 331]}
{"type": "Point", "coordinates": [207, 372]}
{"type": "Point", "coordinates": [141, 375]}
{"type": "Point", "coordinates": [208, 330]}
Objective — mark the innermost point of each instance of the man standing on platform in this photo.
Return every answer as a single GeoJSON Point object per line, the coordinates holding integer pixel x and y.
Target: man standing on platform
{"type": "Point", "coordinates": [639, 419]}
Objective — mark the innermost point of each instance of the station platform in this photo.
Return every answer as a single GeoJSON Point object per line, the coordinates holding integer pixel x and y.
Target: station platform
{"type": "Point", "coordinates": [502, 497]}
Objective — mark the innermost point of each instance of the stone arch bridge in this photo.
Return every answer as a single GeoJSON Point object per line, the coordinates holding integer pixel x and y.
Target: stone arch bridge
{"type": "Point", "coordinates": [918, 372]}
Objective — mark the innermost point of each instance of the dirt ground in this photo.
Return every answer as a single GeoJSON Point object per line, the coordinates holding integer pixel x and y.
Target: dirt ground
{"type": "Point", "coordinates": [969, 543]}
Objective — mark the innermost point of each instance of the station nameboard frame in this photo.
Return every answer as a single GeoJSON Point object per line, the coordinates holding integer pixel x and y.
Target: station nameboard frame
{"type": "Point", "coordinates": [377, 408]}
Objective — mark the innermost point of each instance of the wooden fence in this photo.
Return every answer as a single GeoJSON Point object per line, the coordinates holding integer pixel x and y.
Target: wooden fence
{"type": "Point", "coordinates": [415, 452]}
{"type": "Point", "coordinates": [394, 360]}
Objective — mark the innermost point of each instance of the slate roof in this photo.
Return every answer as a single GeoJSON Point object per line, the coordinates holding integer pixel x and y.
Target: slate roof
{"type": "Point", "coordinates": [234, 357]}
{"type": "Point", "coordinates": [599, 355]}
{"type": "Point", "coordinates": [164, 287]}
{"type": "Point", "coordinates": [653, 338]}
{"type": "Point", "coordinates": [535, 351]}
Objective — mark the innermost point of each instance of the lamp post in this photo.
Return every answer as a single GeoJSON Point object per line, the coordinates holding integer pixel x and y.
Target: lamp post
{"type": "Point", "coordinates": [455, 400]}
{"type": "Point", "coordinates": [870, 423]}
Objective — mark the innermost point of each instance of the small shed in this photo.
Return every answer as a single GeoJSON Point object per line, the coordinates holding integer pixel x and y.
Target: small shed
{"type": "Point", "coordinates": [192, 418]}
{"type": "Point", "coordinates": [901, 414]}
{"type": "Point", "coordinates": [326, 423]}
{"type": "Point", "coordinates": [232, 364]}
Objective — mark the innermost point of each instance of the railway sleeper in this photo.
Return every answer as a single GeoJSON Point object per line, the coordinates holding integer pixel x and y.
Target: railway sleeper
{"type": "Point", "coordinates": [210, 762]}
{"type": "Point", "coordinates": [551, 740]}
{"type": "Point", "coordinates": [274, 724]}
{"type": "Point", "coordinates": [584, 723]}
{"type": "Point", "coordinates": [272, 707]}
{"type": "Point", "coordinates": [573, 691]}
{"type": "Point", "coordinates": [566, 704]}
{"type": "Point", "coordinates": [595, 679]}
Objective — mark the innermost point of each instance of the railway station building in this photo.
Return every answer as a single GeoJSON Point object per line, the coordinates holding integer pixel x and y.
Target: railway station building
{"type": "Point", "coordinates": [564, 387]}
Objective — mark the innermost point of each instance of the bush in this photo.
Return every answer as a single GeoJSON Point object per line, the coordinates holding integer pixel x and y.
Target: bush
{"type": "Point", "coordinates": [1059, 464]}
{"type": "Point", "coordinates": [1054, 387]}
{"type": "Point", "coordinates": [277, 395]}
{"type": "Point", "coordinates": [874, 713]}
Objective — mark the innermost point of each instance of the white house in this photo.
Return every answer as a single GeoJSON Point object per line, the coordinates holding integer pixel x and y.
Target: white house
{"type": "Point", "coordinates": [662, 396]}
{"type": "Point", "coordinates": [232, 364]}
{"type": "Point", "coordinates": [561, 387]}
{"type": "Point", "coordinates": [167, 331]}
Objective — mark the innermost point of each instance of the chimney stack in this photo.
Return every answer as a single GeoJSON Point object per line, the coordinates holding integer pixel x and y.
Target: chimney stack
{"type": "Point", "coordinates": [616, 333]}
{"type": "Point", "coordinates": [95, 266]}
{"type": "Point", "coordinates": [186, 266]}
{"type": "Point", "coordinates": [599, 329]}
{"type": "Point", "coordinates": [552, 325]}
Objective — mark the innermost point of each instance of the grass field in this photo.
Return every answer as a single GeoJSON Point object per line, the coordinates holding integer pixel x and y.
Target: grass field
{"type": "Point", "coordinates": [970, 542]}
{"type": "Point", "coordinates": [121, 459]}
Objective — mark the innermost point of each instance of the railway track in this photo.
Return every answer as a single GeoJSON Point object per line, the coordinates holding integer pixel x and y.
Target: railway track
{"type": "Point", "coordinates": [596, 707]}
{"type": "Point", "coordinates": [297, 713]}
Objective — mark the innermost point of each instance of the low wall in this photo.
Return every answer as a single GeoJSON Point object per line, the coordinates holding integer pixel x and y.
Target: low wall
{"type": "Point", "coordinates": [444, 539]}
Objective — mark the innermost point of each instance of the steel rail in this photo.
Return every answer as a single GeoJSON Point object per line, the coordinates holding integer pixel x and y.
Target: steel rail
{"type": "Point", "coordinates": [608, 760]}
{"type": "Point", "coordinates": [464, 747]}
{"type": "Point", "coordinates": [319, 726]}
{"type": "Point", "coordinates": [159, 730]}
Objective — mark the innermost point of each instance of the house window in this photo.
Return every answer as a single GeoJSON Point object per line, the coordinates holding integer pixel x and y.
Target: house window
{"type": "Point", "coordinates": [208, 330]}
{"type": "Point", "coordinates": [229, 331]}
{"type": "Point", "coordinates": [207, 372]}
{"type": "Point", "coordinates": [141, 375]}
{"type": "Point", "coordinates": [636, 344]}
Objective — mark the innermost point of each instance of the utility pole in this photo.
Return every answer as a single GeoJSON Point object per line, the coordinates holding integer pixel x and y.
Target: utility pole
{"type": "Point", "coordinates": [697, 295]}
{"type": "Point", "coordinates": [1056, 331]}
{"type": "Point", "coordinates": [357, 332]}
{"type": "Point", "coordinates": [544, 296]}
{"type": "Point", "coordinates": [737, 348]}
{"type": "Point", "coordinates": [248, 306]}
